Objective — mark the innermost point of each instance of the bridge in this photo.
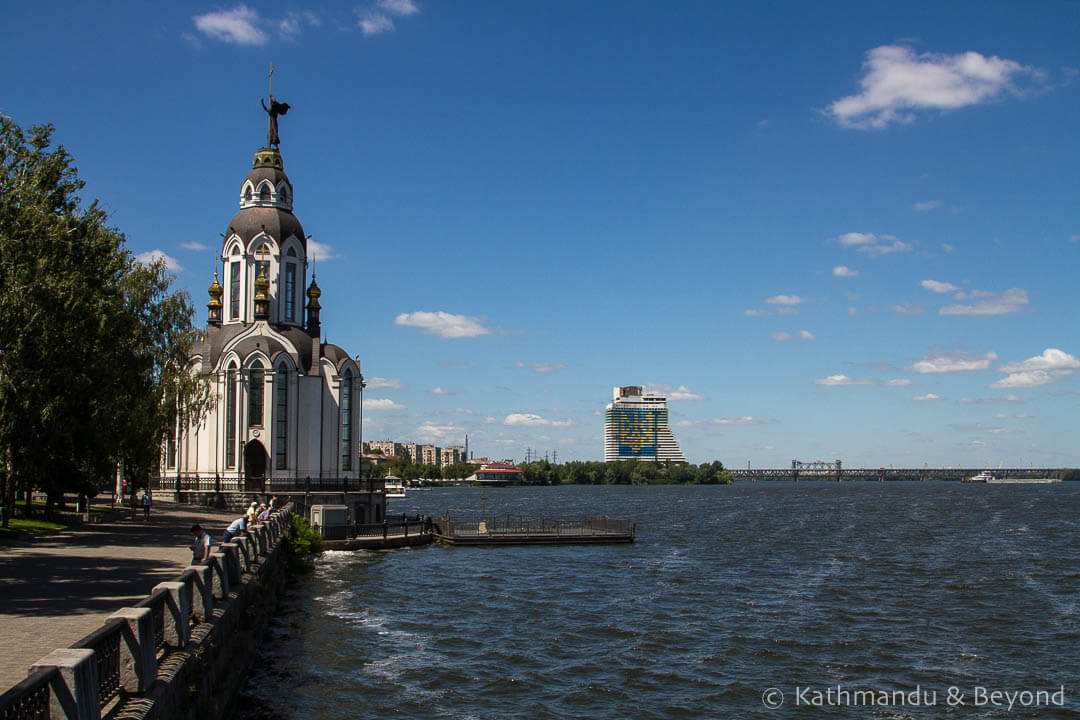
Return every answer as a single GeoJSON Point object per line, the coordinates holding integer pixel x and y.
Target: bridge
{"type": "Point", "coordinates": [836, 471]}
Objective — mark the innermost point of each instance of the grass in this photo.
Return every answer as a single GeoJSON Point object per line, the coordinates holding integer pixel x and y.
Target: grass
{"type": "Point", "coordinates": [19, 527]}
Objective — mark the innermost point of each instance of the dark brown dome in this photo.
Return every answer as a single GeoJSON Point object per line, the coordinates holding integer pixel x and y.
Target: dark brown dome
{"type": "Point", "coordinates": [277, 223]}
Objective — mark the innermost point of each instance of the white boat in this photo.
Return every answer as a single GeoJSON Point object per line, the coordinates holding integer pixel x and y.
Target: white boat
{"type": "Point", "coordinates": [394, 488]}
{"type": "Point", "coordinates": [983, 477]}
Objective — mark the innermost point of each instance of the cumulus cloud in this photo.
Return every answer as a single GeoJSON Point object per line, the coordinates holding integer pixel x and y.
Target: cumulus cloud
{"type": "Point", "coordinates": [955, 362]}
{"type": "Point", "coordinates": [1027, 378]}
{"type": "Point", "coordinates": [153, 256]}
{"type": "Point", "coordinates": [192, 245]}
{"type": "Point", "coordinates": [440, 391]}
{"type": "Point", "coordinates": [320, 251]}
{"type": "Point", "coordinates": [897, 83]}
{"type": "Point", "coordinates": [533, 420]}
{"type": "Point", "coordinates": [992, 401]}
{"type": "Point", "coordinates": [806, 335]}
{"type": "Point", "coordinates": [430, 432]}
{"type": "Point", "coordinates": [928, 205]}
{"type": "Point", "coordinates": [1051, 359]}
{"type": "Point", "coordinates": [743, 420]}
{"type": "Point", "coordinates": [785, 300]}
{"type": "Point", "coordinates": [379, 383]}
{"type": "Point", "coordinates": [443, 324]}
{"type": "Point", "coordinates": [898, 382]}
{"type": "Point", "coordinates": [837, 380]}
{"type": "Point", "coordinates": [989, 303]}
{"type": "Point", "coordinates": [873, 244]}
{"type": "Point", "coordinates": [939, 287]}
{"type": "Point", "coordinates": [926, 398]}
{"type": "Point", "coordinates": [907, 309]}
{"type": "Point", "coordinates": [382, 404]}
{"type": "Point", "coordinates": [844, 271]}
{"type": "Point", "coordinates": [781, 336]}
{"type": "Point", "coordinates": [239, 26]}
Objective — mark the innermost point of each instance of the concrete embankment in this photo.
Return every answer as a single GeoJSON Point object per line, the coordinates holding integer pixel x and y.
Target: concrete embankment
{"type": "Point", "coordinates": [179, 654]}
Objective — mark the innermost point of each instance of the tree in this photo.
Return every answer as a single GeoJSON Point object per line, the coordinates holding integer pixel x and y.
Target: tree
{"type": "Point", "coordinates": [93, 346]}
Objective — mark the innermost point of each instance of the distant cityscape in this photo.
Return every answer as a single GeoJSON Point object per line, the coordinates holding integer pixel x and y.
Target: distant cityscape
{"type": "Point", "coordinates": [440, 457]}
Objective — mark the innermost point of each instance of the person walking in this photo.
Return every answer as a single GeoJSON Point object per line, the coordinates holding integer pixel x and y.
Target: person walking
{"type": "Point", "coordinates": [146, 506]}
{"type": "Point", "coordinates": [200, 549]}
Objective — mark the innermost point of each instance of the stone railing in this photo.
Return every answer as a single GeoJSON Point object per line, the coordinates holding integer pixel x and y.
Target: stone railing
{"type": "Point", "coordinates": [146, 656]}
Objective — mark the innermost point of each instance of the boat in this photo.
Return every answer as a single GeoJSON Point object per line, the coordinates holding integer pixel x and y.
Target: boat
{"type": "Point", "coordinates": [983, 477]}
{"type": "Point", "coordinates": [394, 487]}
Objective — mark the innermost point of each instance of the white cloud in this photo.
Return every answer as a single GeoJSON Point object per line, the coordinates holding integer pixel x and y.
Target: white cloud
{"type": "Point", "coordinates": [939, 287]}
{"type": "Point", "coordinates": [541, 367]}
{"type": "Point", "coordinates": [806, 335]}
{"type": "Point", "coordinates": [928, 205]}
{"type": "Point", "coordinates": [781, 336]}
{"type": "Point", "coordinates": [837, 380]}
{"type": "Point", "coordinates": [896, 246]}
{"type": "Point", "coordinates": [844, 271]}
{"type": "Point", "coordinates": [856, 238]}
{"type": "Point", "coordinates": [533, 420]}
{"type": "Point", "coordinates": [788, 311]}
{"type": "Point", "coordinates": [443, 324]}
{"type": "Point", "coordinates": [898, 382]}
{"type": "Point", "coordinates": [896, 83]}
{"type": "Point", "coordinates": [1027, 378]}
{"type": "Point", "coordinates": [785, 300]}
{"type": "Point", "coordinates": [441, 391]}
{"type": "Point", "coordinates": [1010, 301]}
{"type": "Point", "coordinates": [755, 313]}
{"type": "Point", "coordinates": [193, 246]}
{"type": "Point", "coordinates": [318, 251]}
{"type": "Point", "coordinates": [430, 432]}
{"type": "Point", "coordinates": [379, 383]}
{"type": "Point", "coordinates": [154, 255]}
{"type": "Point", "coordinates": [927, 397]}
{"type": "Point", "coordinates": [399, 7]}
{"type": "Point", "coordinates": [673, 393]}
{"type": "Point", "coordinates": [991, 401]}
{"type": "Point", "coordinates": [1051, 359]}
{"type": "Point", "coordinates": [907, 309]}
{"type": "Point", "coordinates": [744, 420]}
{"type": "Point", "coordinates": [957, 362]}
{"type": "Point", "coordinates": [239, 26]}
{"type": "Point", "coordinates": [382, 404]}
{"type": "Point", "coordinates": [947, 247]}
{"type": "Point", "coordinates": [373, 23]}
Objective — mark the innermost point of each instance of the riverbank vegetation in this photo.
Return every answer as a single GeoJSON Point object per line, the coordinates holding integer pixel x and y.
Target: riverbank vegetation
{"type": "Point", "coordinates": [626, 472]}
{"type": "Point", "coordinates": [302, 544]}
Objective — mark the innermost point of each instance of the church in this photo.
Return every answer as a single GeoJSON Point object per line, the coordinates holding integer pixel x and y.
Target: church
{"type": "Point", "coordinates": [288, 405]}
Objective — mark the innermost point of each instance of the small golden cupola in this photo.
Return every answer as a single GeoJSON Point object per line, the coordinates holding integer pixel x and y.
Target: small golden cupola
{"type": "Point", "coordinates": [214, 306]}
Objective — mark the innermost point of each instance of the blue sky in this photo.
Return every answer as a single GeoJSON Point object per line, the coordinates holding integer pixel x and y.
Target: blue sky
{"type": "Point", "coordinates": [833, 231]}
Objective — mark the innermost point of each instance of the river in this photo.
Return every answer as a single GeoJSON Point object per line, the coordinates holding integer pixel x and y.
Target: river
{"type": "Point", "coordinates": [923, 598]}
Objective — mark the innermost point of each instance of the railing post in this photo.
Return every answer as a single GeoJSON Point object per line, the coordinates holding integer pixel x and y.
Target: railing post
{"type": "Point", "coordinates": [247, 547]}
{"type": "Point", "coordinates": [219, 561]}
{"type": "Point", "coordinates": [232, 562]}
{"type": "Point", "coordinates": [73, 691]}
{"type": "Point", "coordinates": [178, 615]}
{"type": "Point", "coordinates": [138, 660]}
{"type": "Point", "coordinates": [202, 600]}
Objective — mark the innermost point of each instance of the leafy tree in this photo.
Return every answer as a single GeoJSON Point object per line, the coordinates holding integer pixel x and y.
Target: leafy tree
{"type": "Point", "coordinates": [93, 346]}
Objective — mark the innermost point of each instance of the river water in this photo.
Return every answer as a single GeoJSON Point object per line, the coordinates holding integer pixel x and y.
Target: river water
{"type": "Point", "coordinates": [935, 594]}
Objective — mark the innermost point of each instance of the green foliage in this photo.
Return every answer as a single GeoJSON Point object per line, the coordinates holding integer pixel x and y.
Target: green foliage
{"type": "Point", "coordinates": [1071, 474]}
{"type": "Point", "coordinates": [93, 346]}
{"type": "Point", "coordinates": [626, 472]}
{"type": "Point", "coordinates": [303, 541]}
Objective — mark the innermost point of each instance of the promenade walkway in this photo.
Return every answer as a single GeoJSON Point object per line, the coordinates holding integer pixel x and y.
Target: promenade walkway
{"type": "Point", "coordinates": [57, 587]}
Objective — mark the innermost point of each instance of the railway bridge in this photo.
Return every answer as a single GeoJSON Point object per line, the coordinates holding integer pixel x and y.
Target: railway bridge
{"type": "Point", "coordinates": [836, 471]}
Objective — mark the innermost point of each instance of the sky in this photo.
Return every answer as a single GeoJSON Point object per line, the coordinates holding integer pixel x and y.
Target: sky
{"type": "Point", "coordinates": [825, 231]}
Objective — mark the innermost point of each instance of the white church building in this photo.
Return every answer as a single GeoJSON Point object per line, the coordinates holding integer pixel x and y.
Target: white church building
{"type": "Point", "coordinates": [288, 405]}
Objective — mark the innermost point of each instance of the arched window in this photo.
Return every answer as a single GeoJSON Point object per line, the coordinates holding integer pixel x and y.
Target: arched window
{"type": "Point", "coordinates": [281, 417]}
{"type": "Point", "coordinates": [230, 417]}
{"type": "Point", "coordinates": [247, 194]}
{"type": "Point", "coordinates": [264, 193]}
{"type": "Point", "coordinates": [346, 421]}
{"type": "Point", "coordinates": [234, 290]}
{"type": "Point", "coordinates": [283, 194]}
{"type": "Point", "coordinates": [256, 376]}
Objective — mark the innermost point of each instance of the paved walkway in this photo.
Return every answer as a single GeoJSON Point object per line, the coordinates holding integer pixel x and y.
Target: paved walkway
{"type": "Point", "coordinates": [55, 588]}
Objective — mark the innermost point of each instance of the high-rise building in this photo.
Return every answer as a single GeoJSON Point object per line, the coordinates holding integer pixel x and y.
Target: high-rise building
{"type": "Point", "coordinates": [636, 428]}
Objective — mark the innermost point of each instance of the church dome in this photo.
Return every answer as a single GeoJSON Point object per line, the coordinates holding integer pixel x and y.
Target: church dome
{"type": "Point", "coordinates": [266, 198]}
{"type": "Point", "coordinates": [279, 224]}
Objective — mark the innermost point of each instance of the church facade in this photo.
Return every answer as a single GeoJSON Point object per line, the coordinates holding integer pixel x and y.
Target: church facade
{"type": "Point", "coordinates": [288, 405]}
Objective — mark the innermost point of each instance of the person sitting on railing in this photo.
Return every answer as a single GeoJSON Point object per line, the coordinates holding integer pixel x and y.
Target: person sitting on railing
{"type": "Point", "coordinates": [200, 549]}
{"type": "Point", "coordinates": [264, 513]}
{"type": "Point", "coordinates": [236, 527]}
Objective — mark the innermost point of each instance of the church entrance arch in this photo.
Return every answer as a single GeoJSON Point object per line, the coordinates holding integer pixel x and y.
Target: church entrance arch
{"type": "Point", "coordinates": [254, 467]}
